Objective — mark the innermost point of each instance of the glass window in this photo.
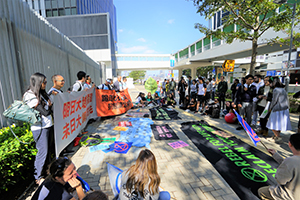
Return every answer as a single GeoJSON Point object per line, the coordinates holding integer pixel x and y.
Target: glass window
{"type": "Point", "coordinates": [225, 14]}
{"type": "Point", "coordinates": [158, 58]}
{"type": "Point", "coordinates": [150, 59]}
{"type": "Point", "coordinates": [218, 19]}
{"type": "Point", "coordinates": [67, 3]}
{"type": "Point", "coordinates": [48, 4]}
{"type": "Point", "coordinates": [55, 13]}
{"type": "Point", "coordinates": [48, 13]}
{"type": "Point", "coordinates": [68, 11]}
{"type": "Point", "coordinates": [214, 21]}
{"type": "Point", "coordinates": [54, 3]}
{"type": "Point", "coordinates": [143, 58]}
{"type": "Point", "coordinates": [127, 58]}
{"type": "Point", "coordinates": [119, 58]}
{"type": "Point", "coordinates": [61, 12]}
{"type": "Point", "coordinates": [73, 11]}
{"type": "Point", "coordinates": [60, 3]}
{"type": "Point", "coordinates": [73, 3]}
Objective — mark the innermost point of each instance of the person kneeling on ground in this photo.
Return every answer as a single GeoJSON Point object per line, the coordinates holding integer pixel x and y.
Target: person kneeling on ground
{"type": "Point", "coordinates": [60, 182]}
{"type": "Point", "coordinates": [192, 105]}
{"type": "Point", "coordinates": [141, 181]}
{"type": "Point", "coordinates": [287, 175]}
{"type": "Point", "coordinates": [185, 103]}
{"type": "Point", "coordinates": [149, 98]}
{"type": "Point", "coordinates": [212, 109]}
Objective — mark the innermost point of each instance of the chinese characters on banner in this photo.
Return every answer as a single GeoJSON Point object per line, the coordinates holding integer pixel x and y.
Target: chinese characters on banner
{"type": "Point", "coordinates": [110, 103]}
{"type": "Point", "coordinates": [71, 114]}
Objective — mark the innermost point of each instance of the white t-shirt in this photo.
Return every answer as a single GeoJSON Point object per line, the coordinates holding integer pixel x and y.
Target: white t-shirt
{"type": "Point", "coordinates": [138, 100]}
{"type": "Point", "coordinates": [31, 100]}
{"type": "Point", "coordinates": [77, 86]}
{"type": "Point", "coordinates": [201, 88]}
{"type": "Point", "coordinates": [193, 88]}
{"type": "Point", "coordinates": [50, 93]}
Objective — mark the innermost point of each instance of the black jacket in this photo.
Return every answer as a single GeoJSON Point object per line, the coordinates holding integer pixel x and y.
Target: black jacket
{"type": "Point", "coordinates": [245, 96]}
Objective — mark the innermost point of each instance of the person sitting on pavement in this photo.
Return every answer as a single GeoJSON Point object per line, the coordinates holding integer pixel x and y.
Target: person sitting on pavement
{"type": "Point", "coordinates": [96, 195]}
{"type": "Point", "coordinates": [60, 182]}
{"type": "Point", "coordinates": [141, 181]}
{"type": "Point", "coordinates": [149, 98]}
{"type": "Point", "coordinates": [170, 100]}
{"type": "Point", "coordinates": [279, 119]}
{"type": "Point", "coordinates": [106, 85]}
{"type": "Point", "coordinates": [192, 105]}
{"type": "Point", "coordinates": [141, 100]}
{"type": "Point", "coordinates": [212, 109]}
{"type": "Point", "coordinates": [157, 99]}
{"type": "Point", "coordinates": [185, 103]}
{"type": "Point", "coordinates": [287, 175]}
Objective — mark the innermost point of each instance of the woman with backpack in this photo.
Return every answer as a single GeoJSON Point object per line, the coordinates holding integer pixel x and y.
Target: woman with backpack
{"type": "Point", "coordinates": [36, 97]}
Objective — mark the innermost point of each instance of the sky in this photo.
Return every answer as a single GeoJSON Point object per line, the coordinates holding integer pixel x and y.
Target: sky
{"type": "Point", "coordinates": [156, 26]}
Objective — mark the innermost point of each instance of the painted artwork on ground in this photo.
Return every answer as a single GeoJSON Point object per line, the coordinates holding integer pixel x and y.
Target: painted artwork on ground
{"type": "Point", "coordinates": [178, 144]}
{"type": "Point", "coordinates": [163, 113]}
{"type": "Point", "coordinates": [163, 132]}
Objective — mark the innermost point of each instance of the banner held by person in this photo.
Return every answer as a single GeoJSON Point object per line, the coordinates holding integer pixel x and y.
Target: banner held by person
{"type": "Point", "coordinates": [72, 111]}
{"type": "Point", "coordinates": [111, 103]}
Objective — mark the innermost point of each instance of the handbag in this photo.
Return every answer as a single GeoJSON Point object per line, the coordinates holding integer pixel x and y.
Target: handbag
{"type": "Point", "coordinates": [20, 111]}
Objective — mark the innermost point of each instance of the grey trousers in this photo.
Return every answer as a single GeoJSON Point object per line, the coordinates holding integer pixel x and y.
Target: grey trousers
{"type": "Point", "coordinates": [246, 110]}
{"type": "Point", "coordinates": [41, 158]}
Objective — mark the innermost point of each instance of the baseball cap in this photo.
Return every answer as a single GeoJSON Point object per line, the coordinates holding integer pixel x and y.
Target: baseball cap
{"type": "Point", "coordinates": [108, 80]}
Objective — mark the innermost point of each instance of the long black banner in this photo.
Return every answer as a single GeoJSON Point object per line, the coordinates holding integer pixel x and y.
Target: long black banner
{"type": "Point", "coordinates": [243, 167]}
{"type": "Point", "coordinates": [163, 113]}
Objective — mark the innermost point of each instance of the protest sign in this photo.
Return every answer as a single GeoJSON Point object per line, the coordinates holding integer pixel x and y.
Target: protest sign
{"type": "Point", "coordinates": [163, 132]}
{"type": "Point", "coordinates": [71, 114]}
{"type": "Point", "coordinates": [111, 103]}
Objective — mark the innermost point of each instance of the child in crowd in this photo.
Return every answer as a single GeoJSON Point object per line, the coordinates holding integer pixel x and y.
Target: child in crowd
{"type": "Point", "coordinates": [141, 181]}
{"type": "Point", "coordinates": [186, 102]}
{"type": "Point", "coordinates": [170, 100]}
{"type": "Point", "coordinates": [140, 99]}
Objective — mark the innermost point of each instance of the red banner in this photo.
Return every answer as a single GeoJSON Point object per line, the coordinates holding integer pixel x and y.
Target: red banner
{"type": "Point", "coordinates": [110, 102]}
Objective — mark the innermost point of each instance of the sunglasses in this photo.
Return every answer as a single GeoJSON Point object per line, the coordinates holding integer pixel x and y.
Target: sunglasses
{"type": "Point", "coordinates": [60, 80]}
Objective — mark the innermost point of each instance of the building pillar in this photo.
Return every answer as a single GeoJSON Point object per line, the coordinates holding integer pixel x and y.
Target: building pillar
{"type": "Point", "coordinates": [179, 73]}
{"type": "Point", "coordinates": [194, 72]}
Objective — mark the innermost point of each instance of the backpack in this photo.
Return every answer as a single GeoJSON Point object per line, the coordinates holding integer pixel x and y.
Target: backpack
{"type": "Point", "coordinates": [215, 112]}
{"type": "Point", "coordinates": [70, 89]}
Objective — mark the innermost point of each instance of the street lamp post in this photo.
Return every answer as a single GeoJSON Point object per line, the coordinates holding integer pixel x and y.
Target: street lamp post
{"type": "Point", "coordinates": [287, 79]}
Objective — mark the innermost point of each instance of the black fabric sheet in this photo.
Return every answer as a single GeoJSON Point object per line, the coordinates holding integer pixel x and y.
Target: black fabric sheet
{"type": "Point", "coordinates": [163, 132]}
{"type": "Point", "coordinates": [163, 113]}
{"type": "Point", "coordinates": [243, 167]}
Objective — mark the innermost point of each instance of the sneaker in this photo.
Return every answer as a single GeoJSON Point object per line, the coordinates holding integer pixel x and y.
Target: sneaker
{"type": "Point", "coordinates": [239, 128]}
{"type": "Point", "coordinates": [265, 133]}
{"type": "Point", "coordinates": [278, 140]}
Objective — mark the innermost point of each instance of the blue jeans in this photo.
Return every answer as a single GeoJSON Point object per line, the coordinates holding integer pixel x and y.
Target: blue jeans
{"type": "Point", "coordinates": [164, 195]}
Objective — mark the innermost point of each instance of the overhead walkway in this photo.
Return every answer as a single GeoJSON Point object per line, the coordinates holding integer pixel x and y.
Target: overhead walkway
{"type": "Point", "coordinates": [206, 51]}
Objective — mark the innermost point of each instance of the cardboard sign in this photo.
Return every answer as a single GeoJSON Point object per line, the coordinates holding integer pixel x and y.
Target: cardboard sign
{"type": "Point", "coordinates": [179, 144]}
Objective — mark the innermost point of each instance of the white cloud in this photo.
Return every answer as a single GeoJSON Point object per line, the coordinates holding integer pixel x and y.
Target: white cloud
{"type": "Point", "coordinates": [136, 49]}
{"type": "Point", "coordinates": [171, 21]}
{"type": "Point", "coordinates": [120, 30]}
{"type": "Point", "coordinates": [141, 40]}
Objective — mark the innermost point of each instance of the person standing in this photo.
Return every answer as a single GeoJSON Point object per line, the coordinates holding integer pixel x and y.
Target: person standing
{"type": "Point", "coordinates": [118, 85]}
{"type": "Point", "coordinates": [214, 85]}
{"type": "Point", "coordinates": [201, 92]}
{"type": "Point", "coordinates": [279, 119]}
{"type": "Point", "coordinates": [163, 88]}
{"type": "Point", "coordinates": [245, 95]}
{"type": "Point", "coordinates": [37, 98]}
{"type": "Point", "coordinates": [189, 83]}
{"type": "Point", "coordinates": [193, 93]}
{"type": "Point", "coordinates": [181, 90]}
{"type": "Point", "coordinates": [58, 83]}
{"type": "Point", "coordinates": [79, 84]}
{"type": "Point", "coordinates": [233, 89]}
{"type": "Point", "coordinates": [297, 95]}
{"type": "Point", "coordinates": [88, 83]}
{"type": "Point", "coordinates": [106, 85]}
{"type": "Point", "coordinates": [258, 82]}
{"type": "Point", "coordinates": [263, 96]}
{"type": "Point", "coordinates": [222, 89]}
{"type": "Point", "coordinates": [287, 174]}
{"type": "Point", "coordinates": [209, 89]}
{"type": "Point", "coordinates": [172, 87]}
{"type": "Point", "coordinates": [124, 82]}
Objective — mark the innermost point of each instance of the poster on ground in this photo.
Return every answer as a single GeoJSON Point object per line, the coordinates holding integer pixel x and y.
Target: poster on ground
{"type": "Point", "coordinates": [71, 113]}
{"type": "Point", "coordinates": [111, 103]}
{"type": "Point", "coordinates": [242, 166]}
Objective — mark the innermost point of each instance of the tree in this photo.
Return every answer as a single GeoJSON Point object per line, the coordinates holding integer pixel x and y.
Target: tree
{"type": "Point", "coordinates": [202, 71]}
{"type": "Point", "coordinates": [137, 75]}
{"type": "Point", "coordinates": [252, 18]}
{"type": "Point", "coordinates": [186, 72]}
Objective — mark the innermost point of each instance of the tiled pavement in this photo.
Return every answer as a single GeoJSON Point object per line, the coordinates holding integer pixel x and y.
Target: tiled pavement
{"type": "Point", "coordinates": [184, 172]}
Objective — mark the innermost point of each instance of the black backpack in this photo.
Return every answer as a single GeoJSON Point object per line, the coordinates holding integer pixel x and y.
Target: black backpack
{"type": "Point", "coordinates": [70, 89]}
{"type": "Point", "coordinates": [215, 112]}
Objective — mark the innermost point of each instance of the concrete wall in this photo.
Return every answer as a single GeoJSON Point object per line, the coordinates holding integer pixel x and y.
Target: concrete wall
{"type": "Point", "coordinates": [29, 44]}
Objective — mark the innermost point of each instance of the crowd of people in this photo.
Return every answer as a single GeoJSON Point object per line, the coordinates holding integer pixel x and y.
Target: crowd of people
{"type": "Point", "coordinates": [249, 97]}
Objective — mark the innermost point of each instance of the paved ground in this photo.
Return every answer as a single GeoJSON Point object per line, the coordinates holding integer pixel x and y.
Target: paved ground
{"type": "Point", "coordinates": [184, 172]}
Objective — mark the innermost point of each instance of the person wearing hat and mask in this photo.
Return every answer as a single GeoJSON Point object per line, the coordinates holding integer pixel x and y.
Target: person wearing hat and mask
{"type": "Point", "coordinates": [106, 85]}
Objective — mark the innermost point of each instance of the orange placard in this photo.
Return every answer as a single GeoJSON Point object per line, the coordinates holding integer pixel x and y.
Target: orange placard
{"type": "Point", "coordinates": [110, 102]}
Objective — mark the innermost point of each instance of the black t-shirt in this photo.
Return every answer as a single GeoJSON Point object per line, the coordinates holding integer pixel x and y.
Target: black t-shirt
{"type": "Point", "coordinates": [50, 190]}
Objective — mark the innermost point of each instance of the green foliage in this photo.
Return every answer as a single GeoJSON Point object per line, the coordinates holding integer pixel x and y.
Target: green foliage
{"type": "Point", "coordinates": [252, 17]}
{"type": "Point", "coordinates": [202, 71]}
{"type": "Point", "coordinates": [137, 75]}
{"type": "Point", "coordinates": [16, 159]}
{"type": "Point", "coordinates": [186, 72]}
